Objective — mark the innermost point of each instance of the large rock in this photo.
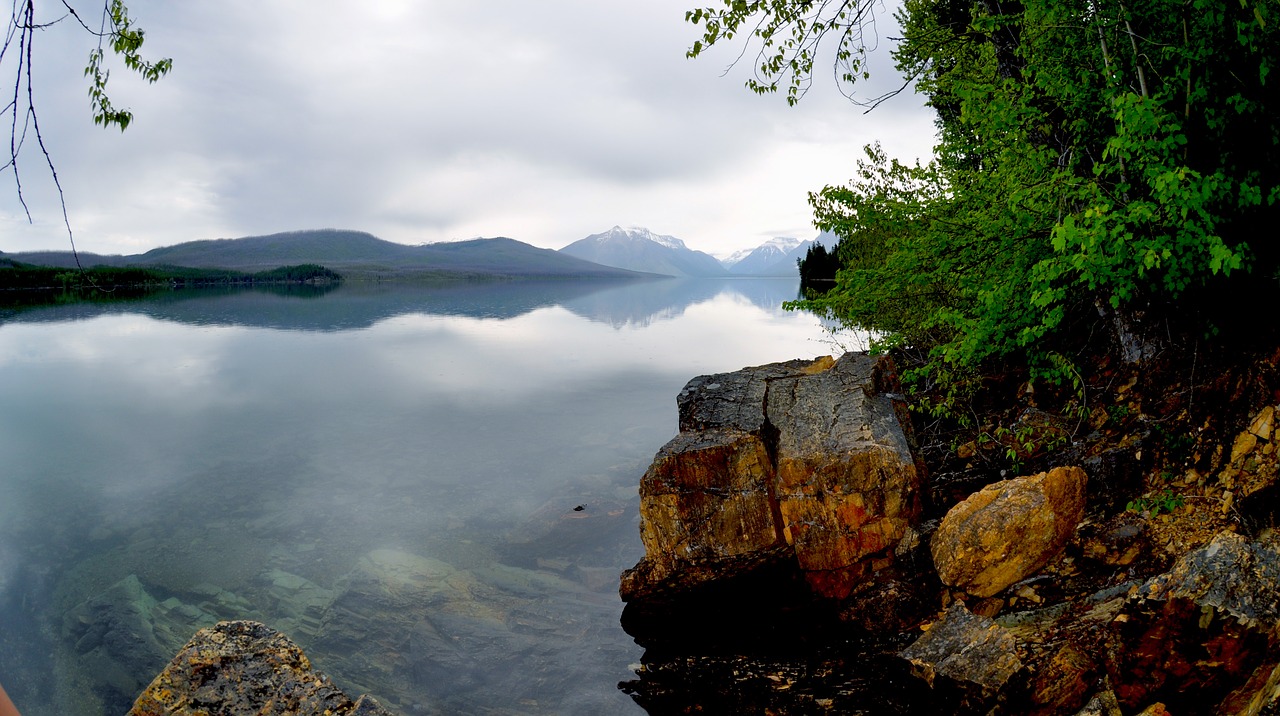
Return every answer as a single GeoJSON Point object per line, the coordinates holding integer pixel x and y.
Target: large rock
{"type": "Point", "coordinates": [805, 462]}
{"type": "Point", "coordinates": [1204, 634]}
{"type": "Point", "coordinates": [847, 484]}
{"type": "Point", "coordinates": [1008, 530]}
{"type": "Point", "coordinates": [245, 668]}
{"type": "Point", "coordinates": [966, 657]}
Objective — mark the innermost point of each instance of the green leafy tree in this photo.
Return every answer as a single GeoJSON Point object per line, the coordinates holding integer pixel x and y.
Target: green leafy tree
{"type": "Point", "coordinates": [1095, 160]}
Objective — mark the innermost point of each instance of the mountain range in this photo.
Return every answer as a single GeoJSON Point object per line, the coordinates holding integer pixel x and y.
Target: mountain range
{"type": "Point", "coordinates": [639, 249]}
{"type": "Point", "coordinates": [616, 253]}
{"type": "Point", "coordinates": [354, 254]}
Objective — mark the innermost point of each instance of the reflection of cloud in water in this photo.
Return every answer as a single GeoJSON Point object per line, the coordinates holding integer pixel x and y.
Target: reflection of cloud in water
{"type": "Point", "coordinates": [8, 568]}
{"type": "Point", "coordinates": [543, 357]}
{"type": "Point", "coordinates": [300, 451]}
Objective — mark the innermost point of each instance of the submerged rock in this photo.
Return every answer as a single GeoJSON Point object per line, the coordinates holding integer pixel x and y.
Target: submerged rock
{"type": "Point", "coordinates": [124, 634]}
{"type": "Point", "coordinates": [1008, 530]}
{"type": "Point", "coordinates": [426, 635]}
{"type": "Point", "coordinates": [245, 668]}
{"type": "Point", "coordinates": [397, 618]}
{"type": "Point", "coordinates": [805, 465]}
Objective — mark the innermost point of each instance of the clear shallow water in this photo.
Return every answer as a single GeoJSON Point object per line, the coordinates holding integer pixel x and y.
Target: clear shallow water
{"type": "Point", "coordinates": [387, 473]}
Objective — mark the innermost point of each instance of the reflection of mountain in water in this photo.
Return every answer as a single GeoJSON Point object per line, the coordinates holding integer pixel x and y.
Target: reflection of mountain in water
{"type": "Point", "coordinates": [640, 304]}
{"type": "Point", "coordinates": [352, 305]}
{"type": "Point", "coordinates": [355, 305]}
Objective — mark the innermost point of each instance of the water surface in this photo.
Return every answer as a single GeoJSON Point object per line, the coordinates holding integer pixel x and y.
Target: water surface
{"type": "Point", "coordinates": [431, 489]}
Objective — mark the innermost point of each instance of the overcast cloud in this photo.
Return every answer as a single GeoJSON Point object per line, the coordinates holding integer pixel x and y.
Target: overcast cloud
{"type": "Point", "coordinates": [425, 120]}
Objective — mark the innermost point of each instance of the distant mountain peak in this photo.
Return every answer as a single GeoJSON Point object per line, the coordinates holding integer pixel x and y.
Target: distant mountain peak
{"type": "Point", "coordinates": [775, 257]}
{"type": "Point", "coordinates": [784, 243]}
{"type": "Point", "coordinates": [639, 249]}
{"type": "Point", "coordinates": [769, 251]}
{"type": "Point", "coordinates": [639, 233]}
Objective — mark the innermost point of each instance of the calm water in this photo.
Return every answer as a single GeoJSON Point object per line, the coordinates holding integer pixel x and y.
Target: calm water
{"type": "Point", "coordinates": [431, 490]}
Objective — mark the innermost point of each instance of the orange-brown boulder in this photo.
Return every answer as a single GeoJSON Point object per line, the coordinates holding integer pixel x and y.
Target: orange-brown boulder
{"type": "Point", "coordinates": [1009, 530]}
{"type": "Point", "coordinates": [807, 462]}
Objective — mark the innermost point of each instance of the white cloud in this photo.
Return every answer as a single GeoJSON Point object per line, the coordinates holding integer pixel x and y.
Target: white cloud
{"type": "Point", "coordinates": [436, 121]}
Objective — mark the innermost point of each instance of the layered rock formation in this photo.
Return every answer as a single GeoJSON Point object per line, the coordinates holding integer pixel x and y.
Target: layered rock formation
{"type": "Point", "coordinates": [968, 657]}
{"type": "Point", "coordinates": [805, 464]}
{"type": "Point", "coordinates": [1049, 610]}
{"type": "Point", "coordinates": [124, 635]}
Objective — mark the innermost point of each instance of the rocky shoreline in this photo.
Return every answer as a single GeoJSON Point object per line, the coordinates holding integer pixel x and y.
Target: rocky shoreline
{"type": "Point", "coordinates": [800, 559]}
{"type": "Point", "coordinates": [789, 567]}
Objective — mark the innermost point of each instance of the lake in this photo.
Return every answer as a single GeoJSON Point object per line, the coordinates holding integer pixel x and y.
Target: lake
{"type": "Point", "coordinates": [431, 489]}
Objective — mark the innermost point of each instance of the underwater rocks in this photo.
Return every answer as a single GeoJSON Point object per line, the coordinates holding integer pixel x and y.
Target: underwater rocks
{"type": "Point", "coordinates": [1008, 530]}
{"type": "Point", "coordinates": [244, 667]}
{"type": "Point", "coordinates": [124, 634]}
{"type": "Point", "coordinates": [803, 467]}
{"type": "Point", "coordinates": [424, 635]}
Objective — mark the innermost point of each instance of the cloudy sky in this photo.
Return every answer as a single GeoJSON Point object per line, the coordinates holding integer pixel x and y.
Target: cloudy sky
{"type": "Point", "coordinates": [435, 120]}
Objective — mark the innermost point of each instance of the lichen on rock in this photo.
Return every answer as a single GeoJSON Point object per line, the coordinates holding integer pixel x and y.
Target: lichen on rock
{"type": "Point", "coordinates": [244, 668]}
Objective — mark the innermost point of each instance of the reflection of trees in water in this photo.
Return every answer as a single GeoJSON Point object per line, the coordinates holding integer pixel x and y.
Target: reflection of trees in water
{"type": "Point", "coordinates": [354, 304]}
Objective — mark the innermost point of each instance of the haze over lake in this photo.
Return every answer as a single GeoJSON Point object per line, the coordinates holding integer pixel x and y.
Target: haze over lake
{"type": "Point", "coordinates": [432, 490]}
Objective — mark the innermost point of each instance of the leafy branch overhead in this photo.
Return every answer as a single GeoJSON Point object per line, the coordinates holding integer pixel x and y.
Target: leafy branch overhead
{"type": "Point", "coordinates": [126, 42]}
{"type": "Point", "coordinates": [790, 36]}
{"type": "Point", "coordinates": [1097, 162]}
{"type": "Point", "coordinates": [115, 30]}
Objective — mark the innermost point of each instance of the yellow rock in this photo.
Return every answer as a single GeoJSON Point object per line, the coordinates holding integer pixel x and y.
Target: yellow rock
{"type": "Point", "coordinates": [1245, 442]}
{"type": "Point", "coordinates": [1262, 423]}
{"type": "Point", "coordinates": [1008, 530]}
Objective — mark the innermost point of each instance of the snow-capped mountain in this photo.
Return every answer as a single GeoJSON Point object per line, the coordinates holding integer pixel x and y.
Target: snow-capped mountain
{"type": "Point", "coordinates": [639, 249]}
{"type": "Point", "coordinates": [772, 258]}
{"type": "Point", "coordinates": [775, 257]}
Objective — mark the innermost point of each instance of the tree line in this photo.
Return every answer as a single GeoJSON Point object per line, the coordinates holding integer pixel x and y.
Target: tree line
{"type": "Point", "coordinates": [15, 275]}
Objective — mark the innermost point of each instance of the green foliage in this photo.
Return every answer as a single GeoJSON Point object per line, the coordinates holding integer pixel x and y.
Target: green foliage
{"type": "Point", "coordinates": [1163, 501]}
{"type": "Point", "coordinates": [789, 34]}
{"type": "Point", "coordinates": [126, 42]}
{"type": "Point", "coordinates": [1093, 157]}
